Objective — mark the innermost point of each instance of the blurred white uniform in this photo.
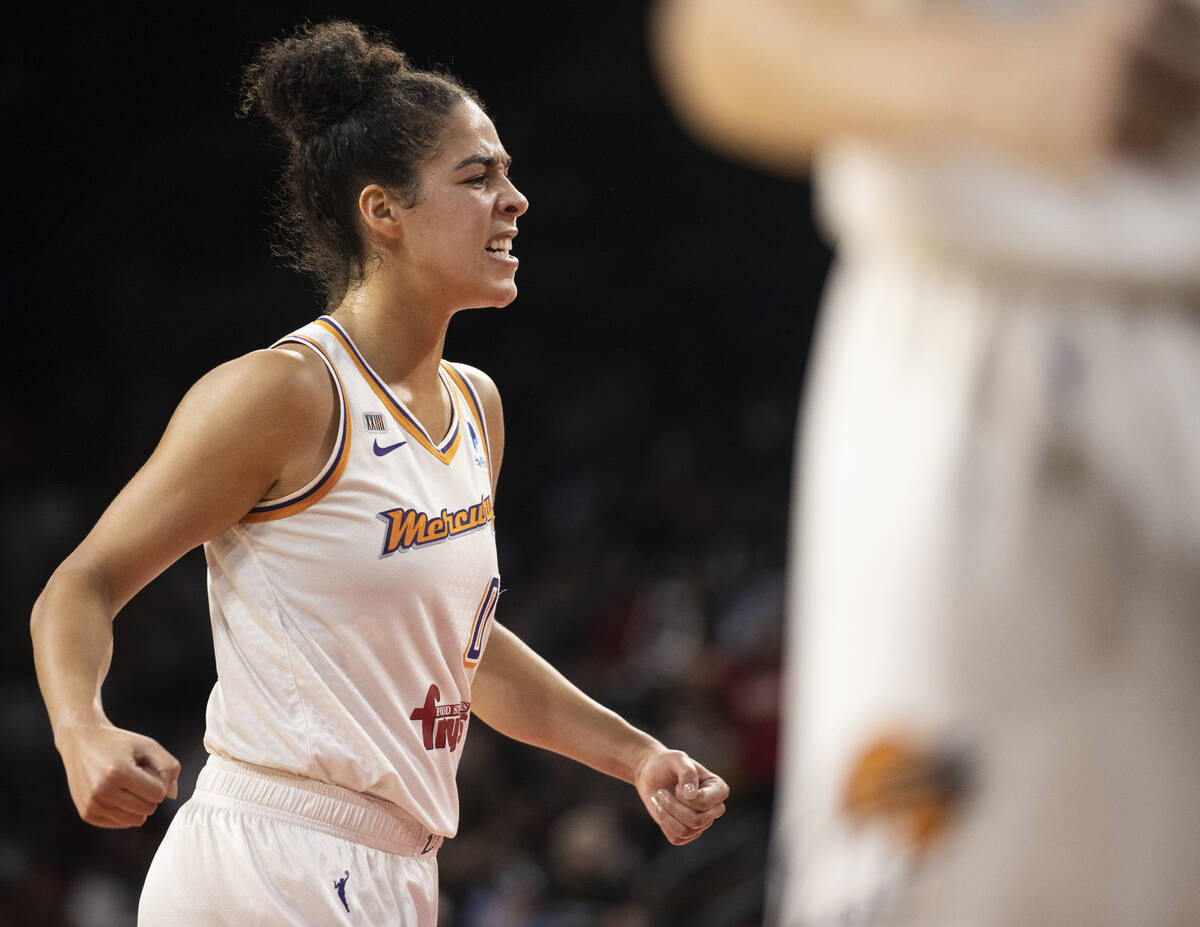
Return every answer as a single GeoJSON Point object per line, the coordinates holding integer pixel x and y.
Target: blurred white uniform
{"type": "Point", "coordinates": [996, 544]}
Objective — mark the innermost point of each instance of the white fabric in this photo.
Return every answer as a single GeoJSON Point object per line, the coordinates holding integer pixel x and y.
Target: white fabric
{"type": "Point", "coordinates": [996, 544]}
{"type": "Point", "coordinates": [1123, 224]}
{"type": "Point", "coordinates": [995, 548]}
{"type": "Point", "coordinates": [337, 659]}
{"type": "Point", "coordinates": [292, 858]}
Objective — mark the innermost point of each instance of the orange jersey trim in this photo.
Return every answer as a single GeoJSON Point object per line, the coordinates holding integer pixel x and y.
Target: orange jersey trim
{"type": "Point", "coordinates": [476, 413]}
{"type": "Point", "coordinates": [397, 411]}
{"type": "Point", "coordinates": [274, 509]}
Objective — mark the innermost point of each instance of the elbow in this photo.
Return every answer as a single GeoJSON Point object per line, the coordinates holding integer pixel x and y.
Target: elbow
{"type": "Point", "coordinates": [74, 580]}
{"type": "Point", "coordinates": [37, 618]}
{"type": "Point", "coordinates": [685, 51]}
{"type": "Point", "coordinates": [42, 612]}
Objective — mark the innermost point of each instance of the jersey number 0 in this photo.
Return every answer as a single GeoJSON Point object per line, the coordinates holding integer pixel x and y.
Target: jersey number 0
{"type": "Point", "coordinates": [483, 614]}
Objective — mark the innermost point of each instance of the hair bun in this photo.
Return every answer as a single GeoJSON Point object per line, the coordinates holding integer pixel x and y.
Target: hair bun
{"type": "Point", "coordinates": [317, 76]}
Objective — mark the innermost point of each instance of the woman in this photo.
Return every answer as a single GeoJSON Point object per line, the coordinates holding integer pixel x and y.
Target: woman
{"type": "Point", "coordinates": [342, 483]}
{"type": "Point", "coordinates": [993, 637]}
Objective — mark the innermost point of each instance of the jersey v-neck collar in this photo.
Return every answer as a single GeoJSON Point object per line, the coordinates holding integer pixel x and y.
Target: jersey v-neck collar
{"type": "Point", "coordinates": [443, 450]}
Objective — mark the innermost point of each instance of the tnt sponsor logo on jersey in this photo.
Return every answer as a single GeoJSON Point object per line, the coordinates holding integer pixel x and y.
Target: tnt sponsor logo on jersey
{"type": "Point", "coordinates": [442, 726]}
{"type": "Point", "coordinates": [409, 528]}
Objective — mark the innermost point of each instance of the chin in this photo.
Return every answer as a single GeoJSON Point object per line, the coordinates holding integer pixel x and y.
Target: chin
{"type": "Point", "coordinates": [502, 298]}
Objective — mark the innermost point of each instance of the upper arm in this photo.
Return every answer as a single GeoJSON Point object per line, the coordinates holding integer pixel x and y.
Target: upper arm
{"type": "Point", "coordinates": [233, 436]}
{"type": "Point", "coordinates": [771, 81]}
{"type": "Point", "coordinates": [493, 413]}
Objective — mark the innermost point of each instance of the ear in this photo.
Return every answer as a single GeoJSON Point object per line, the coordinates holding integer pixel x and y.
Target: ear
{"type": "Point", "coordinates": [380, 211]}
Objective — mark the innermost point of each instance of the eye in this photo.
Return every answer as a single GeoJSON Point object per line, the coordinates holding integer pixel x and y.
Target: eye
{"type": "Point", "coordinates": [481, 180]}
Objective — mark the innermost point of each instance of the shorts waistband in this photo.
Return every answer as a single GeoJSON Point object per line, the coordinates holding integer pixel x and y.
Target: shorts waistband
{"type": "Point", "coordinates": [319, 806]}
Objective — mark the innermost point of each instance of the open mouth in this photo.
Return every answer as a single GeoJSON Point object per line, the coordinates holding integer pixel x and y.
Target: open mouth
{"type": "Point", "coordinates": [499, 246]}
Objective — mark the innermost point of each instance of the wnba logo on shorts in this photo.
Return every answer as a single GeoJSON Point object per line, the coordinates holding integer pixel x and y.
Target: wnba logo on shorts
{"type": "Point", "coordinates": [340, 887]}
{"type": "Point", "coordinates": [442, 726]}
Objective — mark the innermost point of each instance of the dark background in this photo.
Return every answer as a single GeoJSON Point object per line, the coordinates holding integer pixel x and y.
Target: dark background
{"type": "Point", "coordinates": [650, 370]}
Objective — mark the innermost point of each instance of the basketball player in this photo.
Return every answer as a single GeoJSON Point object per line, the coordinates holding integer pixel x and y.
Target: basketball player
{"type": "Point", "coordinates": [993, 634]}
{"type": "Point", "coordinates": [343, 484]}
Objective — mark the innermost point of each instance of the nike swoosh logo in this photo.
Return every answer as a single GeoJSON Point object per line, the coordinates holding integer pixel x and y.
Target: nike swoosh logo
{"type": "Point", "coordinates": [380, 451]}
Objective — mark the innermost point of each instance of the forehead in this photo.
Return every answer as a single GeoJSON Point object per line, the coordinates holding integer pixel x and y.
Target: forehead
{"type": "Point", "coordinates": [470, 132]}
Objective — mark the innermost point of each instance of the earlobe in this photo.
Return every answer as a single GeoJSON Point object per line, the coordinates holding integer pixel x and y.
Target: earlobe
{"type": "Point", "coordinates": [380, 211]}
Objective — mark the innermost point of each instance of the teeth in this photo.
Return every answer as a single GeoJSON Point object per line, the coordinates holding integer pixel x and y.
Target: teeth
{"type": "Point", "coordinates": [500, 244]}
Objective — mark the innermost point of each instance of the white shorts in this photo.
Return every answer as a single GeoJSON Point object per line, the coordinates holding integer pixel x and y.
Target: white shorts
{"type": "Point", "coordinates": [258, 847]}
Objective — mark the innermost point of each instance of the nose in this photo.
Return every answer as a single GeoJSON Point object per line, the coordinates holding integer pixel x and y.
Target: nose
{"type": "Point", "coordinates": [512, 201]}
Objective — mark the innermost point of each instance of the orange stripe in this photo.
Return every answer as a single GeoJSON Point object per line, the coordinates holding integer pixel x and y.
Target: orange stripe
{"type": "Point", "coordinates": [301, 504]}
{"type": "Point", "coordinates": [471, 403]}
{"type": "Point", "coordinates": [392, 406]}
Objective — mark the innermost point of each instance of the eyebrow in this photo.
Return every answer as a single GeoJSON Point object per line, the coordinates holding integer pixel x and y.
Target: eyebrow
{"type": "Point", "coordinates": [485, 160]}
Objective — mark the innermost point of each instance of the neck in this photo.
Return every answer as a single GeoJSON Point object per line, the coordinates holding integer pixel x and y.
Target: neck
{"type": "Point", "coordinates": [401, 338]}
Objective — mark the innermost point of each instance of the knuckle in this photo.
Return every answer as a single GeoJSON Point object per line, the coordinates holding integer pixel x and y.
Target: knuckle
{"type": "Point", "coordinates": [109, 777]}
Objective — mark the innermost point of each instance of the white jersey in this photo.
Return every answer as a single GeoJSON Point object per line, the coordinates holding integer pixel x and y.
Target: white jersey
{"type": "Point", "coordinates": [1122, 224]}
{"type": "Point", "coordinates": [992, 635]}
{"type": "Point", "coordinates": [349, 616]}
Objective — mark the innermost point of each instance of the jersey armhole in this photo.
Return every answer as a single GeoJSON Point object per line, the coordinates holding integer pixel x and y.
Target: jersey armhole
{"type": "Point", "coordinates": [316, 489]}
{"type": "Point", "coordinates": [476, 409]}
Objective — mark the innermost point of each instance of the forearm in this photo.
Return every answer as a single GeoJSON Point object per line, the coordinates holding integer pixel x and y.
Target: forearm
{"type": "Point", "coordinates": [771, 80]}
{"type": "Point", "coordinates": [523, 697]}
{"type": "Point", "coordinates": [72, 636]}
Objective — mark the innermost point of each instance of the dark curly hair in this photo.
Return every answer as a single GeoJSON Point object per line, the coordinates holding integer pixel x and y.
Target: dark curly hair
{"type": "Point", "coordinates": [354, 112]}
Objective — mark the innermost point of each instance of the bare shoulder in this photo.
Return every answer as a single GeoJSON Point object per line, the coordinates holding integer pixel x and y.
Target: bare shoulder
{"type": "Point", "coordinates": [288, 376]}
{"type": "Point", "coordinates": [270, 409]}
{"type": "Point", "coordinates": [245, 429]}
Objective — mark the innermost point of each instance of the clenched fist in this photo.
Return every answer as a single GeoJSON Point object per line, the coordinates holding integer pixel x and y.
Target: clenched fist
{"type": "Point", "coordinates": [682, 796]}
{"type": "Point", "coordinates": [117, 778]}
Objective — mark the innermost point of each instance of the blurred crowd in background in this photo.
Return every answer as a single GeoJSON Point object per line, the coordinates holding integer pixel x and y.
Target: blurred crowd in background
{"type": "Point", "coordinates": [650, 370]}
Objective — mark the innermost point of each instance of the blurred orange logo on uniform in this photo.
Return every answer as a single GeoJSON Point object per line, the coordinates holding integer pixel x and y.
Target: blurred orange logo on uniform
{"type": "Point", "coordinates": [914, 789]}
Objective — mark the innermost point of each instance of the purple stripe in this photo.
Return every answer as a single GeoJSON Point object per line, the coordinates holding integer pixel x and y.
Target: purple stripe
{"type": "Point", "coordinates": [300, 339]}
{"type": "Point", "coordinates": [479, 416]}
{"type": "Point", "coordinates": [388, 393]}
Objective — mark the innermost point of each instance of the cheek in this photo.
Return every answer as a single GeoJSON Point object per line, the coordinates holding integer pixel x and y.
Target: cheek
{"type": "Point", "coordinates": [463, 231]}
